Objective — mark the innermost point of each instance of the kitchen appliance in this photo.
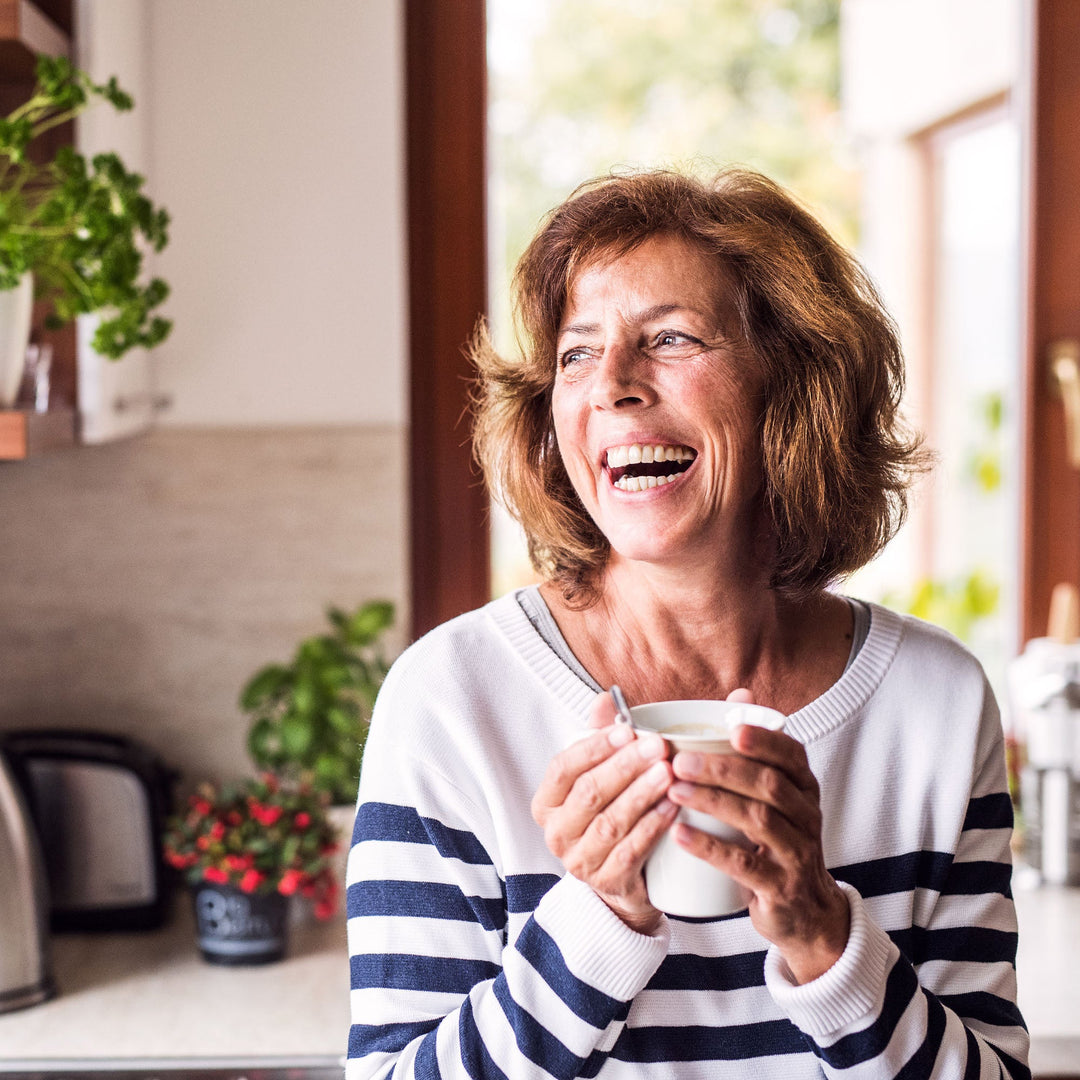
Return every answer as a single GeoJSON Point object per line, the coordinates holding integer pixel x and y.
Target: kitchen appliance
{"type": "Point", "coordinates": [25, 972]}
{"type": "Point", "coordinates": [1044, 687]}
{"type": "Point", "coordinates": [99, 804]}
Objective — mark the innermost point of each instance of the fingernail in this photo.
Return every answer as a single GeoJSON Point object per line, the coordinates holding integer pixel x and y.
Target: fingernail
{"type": "Point", "coordinates": [620, 734]}
{"type": "Point", "coordinates": [687, 763]}
{"type": "Point", "coordinates": [679, 790]}
{"type": "Point", "coordinates": [651, 746]}
{"type": "Point", "coordinates": [666, 808]}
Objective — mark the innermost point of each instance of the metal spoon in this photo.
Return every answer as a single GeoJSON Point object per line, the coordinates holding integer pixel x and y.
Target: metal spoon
{"type": "Point", "coordinates": [623, 715]}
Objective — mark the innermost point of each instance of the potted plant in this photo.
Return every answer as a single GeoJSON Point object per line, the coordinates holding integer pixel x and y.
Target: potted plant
{"type": "Point", "coordinates": [312, 714]}
{"type": "Point", "coordinates": [245, 849]}
{"type": "Point", "coordinates": [73, 232]}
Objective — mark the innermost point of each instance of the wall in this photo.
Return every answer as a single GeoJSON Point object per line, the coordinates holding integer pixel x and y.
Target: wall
{"type": "Point", "coordinates": [142, 581]}
{"type": "Point", "coordinates": [277, 148]}
{"type": "Point", "coordinates": [908, 65]}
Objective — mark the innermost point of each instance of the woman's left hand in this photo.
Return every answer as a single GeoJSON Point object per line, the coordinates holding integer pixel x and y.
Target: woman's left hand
{"type": "Point", "coordinates": [767, 791]}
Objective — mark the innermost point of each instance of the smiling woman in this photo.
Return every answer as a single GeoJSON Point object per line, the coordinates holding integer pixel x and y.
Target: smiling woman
{"type": "Point", "coordinates": [711, 336]}
{"type": "Point", "coordinates": [761, 280]}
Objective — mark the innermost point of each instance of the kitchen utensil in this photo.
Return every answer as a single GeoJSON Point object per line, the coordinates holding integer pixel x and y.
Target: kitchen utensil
{"type": "Point", "coordinates": [25, 972]}
{"type": "Point", "coordinates": [622, 716]}
{"type": "Point", "coordinates": [99, 803]}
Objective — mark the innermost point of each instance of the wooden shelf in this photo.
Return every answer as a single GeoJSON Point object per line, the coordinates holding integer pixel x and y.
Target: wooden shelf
{"type": "Point", "coordinates": [25, 433]}
{"type": "Point", "coordinates": [25, 31]}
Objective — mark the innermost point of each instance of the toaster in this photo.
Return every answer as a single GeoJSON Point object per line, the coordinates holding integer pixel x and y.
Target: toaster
{"type": "Point", "coordinates": [98, 803]}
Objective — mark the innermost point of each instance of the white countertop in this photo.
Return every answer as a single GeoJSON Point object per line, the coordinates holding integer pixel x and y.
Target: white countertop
{"type": "Point", "coordinates": [1048, 974]}
{"type": "Point", "coordinates": [150, 996]}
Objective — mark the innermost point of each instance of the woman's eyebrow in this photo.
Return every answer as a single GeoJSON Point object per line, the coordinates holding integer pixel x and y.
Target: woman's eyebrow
{"type": "Point", "coordinates": [650, 314]}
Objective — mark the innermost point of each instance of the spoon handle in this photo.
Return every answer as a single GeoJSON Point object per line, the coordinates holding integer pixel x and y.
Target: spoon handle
{"type": "Point", "coordinates": [620, 704]}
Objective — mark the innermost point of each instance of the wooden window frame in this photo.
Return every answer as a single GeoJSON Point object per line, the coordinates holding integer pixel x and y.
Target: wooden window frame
{"type": "Point", "coordinates": [1050, 536]}
{"type": "Point", "coordinates": [446, 109]}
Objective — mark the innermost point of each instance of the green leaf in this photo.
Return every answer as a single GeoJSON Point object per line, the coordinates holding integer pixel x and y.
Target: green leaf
{"type": "Point", "coordinates": [264, 744]}
{"type": "Point", "coordinates": [295, 737]}
{"type": "Point", "coordinates": [370, 621]}
{"type": "Point", "coordinates": [264, 686]}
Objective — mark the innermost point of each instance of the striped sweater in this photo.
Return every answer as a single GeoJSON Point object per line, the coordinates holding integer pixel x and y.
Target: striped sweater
{"type": "Point", "coordinates": [473, 954]}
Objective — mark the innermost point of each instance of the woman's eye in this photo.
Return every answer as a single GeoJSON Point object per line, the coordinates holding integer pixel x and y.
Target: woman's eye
{"type": "Point", "coordinates": [571, 356]}
{"type": "Point", "coordinates": [673, 337]}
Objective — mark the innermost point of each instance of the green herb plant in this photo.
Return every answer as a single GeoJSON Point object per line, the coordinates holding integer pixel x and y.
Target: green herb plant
{"type": "Point", "coordinates": [78, 228]}
{"type": "Point", "coordinates": [310, 717]}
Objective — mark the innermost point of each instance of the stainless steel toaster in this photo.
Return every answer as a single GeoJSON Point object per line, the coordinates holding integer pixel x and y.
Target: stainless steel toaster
{"type": "Point", "coordinates": [98, 803]}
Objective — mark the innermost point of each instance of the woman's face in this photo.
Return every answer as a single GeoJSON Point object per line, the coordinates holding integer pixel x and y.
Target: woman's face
{"type": "Point", "coordinates": [656, 408]}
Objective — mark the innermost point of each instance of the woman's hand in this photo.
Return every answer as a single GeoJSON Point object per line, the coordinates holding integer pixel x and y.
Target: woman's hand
{"type": "Point", "coordinates": [767, 791]}
{"type": "Point", "coordinates": [602, 809]}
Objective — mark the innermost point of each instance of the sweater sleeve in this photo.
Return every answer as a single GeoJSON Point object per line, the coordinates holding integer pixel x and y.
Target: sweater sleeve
{"type": "Point", "coordinates": [437, 987]}
{"type": "Point", "coordinates": [945, 1006]}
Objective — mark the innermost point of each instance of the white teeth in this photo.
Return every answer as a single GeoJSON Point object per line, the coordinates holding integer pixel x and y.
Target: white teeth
{"type": "Point", "coordinates": [619, 457]}
{"type": "Point", "coordinates": [641, 483]}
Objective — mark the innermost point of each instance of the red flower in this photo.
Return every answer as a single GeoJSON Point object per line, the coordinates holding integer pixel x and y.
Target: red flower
{"type": "Point", "coordinates": [234, 817]}
{"type": "Point", "coordinates": [217, 830]}
{"type": "Point", "coordinates": [181, 862]}
{"type": "Point", "coordinates": [237, 863]}
{"type": "Point", "coordinates": [216, 875]}
{"type": "Point", "coordinates": [290, 882]}
{"type": "Point", "coordinates": [251, 880]}
{"type": "Point", "coordinates": [302, 820]}
{"type": "Point", "coordinates": [202, 842]}
{"type": "Point", "coordinates": [325, 908]}
{"type": "Point", "coordinates": [266, 815]}
{"type": "Point", "coordinates": [200, 806]}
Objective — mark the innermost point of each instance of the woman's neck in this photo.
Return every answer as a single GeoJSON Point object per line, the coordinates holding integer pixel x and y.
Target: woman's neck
{"type": "Point", "coordinates": [662, 635]}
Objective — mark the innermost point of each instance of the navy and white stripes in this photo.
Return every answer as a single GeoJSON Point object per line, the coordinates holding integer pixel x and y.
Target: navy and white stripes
{"type": "Point", "coordinates": [472, 955]}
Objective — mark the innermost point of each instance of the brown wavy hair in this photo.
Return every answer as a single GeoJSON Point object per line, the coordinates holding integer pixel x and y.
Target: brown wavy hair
{"type": "Point", "coordinates": [836, 457]}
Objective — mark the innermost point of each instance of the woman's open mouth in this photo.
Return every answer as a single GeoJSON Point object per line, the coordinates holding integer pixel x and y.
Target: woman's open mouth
{"type": "Point", "coordinates": [636, 467]}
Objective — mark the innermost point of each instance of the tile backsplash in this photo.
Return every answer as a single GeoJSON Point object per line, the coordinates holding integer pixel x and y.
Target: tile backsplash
{"type": "Point", "coordinates": [143, 582]}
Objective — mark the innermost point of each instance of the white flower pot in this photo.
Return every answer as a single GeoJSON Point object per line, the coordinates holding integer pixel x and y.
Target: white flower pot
{"type": "Point", "coordinates": [16, 307]}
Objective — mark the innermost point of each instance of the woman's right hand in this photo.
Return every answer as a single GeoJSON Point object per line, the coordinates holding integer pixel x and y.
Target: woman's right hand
{"type": "Point", "coordinates": [602, 807]}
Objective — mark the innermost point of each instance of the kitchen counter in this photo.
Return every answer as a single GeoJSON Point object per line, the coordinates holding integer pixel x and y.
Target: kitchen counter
{"type": "Point", "coordinates": [1048, 974]}
{"type": "Point", "coordinates": [149, 997]}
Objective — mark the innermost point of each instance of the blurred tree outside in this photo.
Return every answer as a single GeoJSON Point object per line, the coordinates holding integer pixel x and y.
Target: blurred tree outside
{"type": "Point", "coordinates": [579, 88]}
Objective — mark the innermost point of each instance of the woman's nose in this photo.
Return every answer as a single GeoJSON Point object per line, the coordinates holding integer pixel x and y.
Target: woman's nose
{"type": "Point", "coordinates": [621, 379]}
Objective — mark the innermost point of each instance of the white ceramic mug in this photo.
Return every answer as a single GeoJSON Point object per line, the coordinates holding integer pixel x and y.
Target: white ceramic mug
{"type": "Point", "coordinates": [680, 883]}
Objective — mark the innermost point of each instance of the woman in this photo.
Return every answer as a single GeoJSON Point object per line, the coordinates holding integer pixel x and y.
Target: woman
{"type": "Point", "coordinates": [700, 437]}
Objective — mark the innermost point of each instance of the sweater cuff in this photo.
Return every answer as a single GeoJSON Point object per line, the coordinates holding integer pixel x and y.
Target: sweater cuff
{"type": "Point", "coordinates": [847, 995]}
{"type": "Point", "coordinates": [596, 945]}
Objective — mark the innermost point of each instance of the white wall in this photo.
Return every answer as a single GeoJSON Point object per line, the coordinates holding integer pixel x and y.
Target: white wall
{"type": "Point", "coordinates": [277, 145]}
{"type": "Point", "coordinates": [909, 63]}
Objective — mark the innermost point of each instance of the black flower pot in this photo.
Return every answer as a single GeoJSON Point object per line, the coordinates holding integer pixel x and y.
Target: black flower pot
{"type": "Point", "coordinates": [236, 927]}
